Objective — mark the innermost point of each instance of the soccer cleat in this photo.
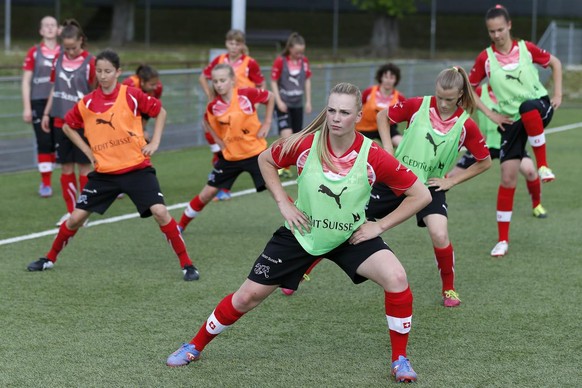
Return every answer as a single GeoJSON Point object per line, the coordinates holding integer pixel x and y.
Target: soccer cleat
{"type": "Point", "coordinates": [45, 191]}
{"type": "Point", "coordinates": [120, 196]}
{"type": "Point", "coordinates": [183, 356]}
{"type": "Point", "coordinates": [402, 371]}
{"type": "Point", "coordinates": [540, 212]}
{"type": "Point", "coordinates": [63, 219]}
{"type": "Point", "coordinates": [222, 195]}
{"type": "Point", "coordinates": [41, 264]}
{"type": "Point", "coordinates": [190, 273]}
{"type": "Point", "coordinates": [451, 298]}
{"type": "Point", "coordinates": [546, 174]}
{"type": "Point", "coordinates": [287, 291]}
{"type": "Point", "coordinates": [500, 249]}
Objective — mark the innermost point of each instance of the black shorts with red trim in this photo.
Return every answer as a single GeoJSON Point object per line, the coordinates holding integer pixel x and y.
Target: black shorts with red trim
{"type": "Point", "coordinates": [292, 119]}
{"type": "Point", "coordinates": [514, 137]}
{"type": "Point", "coordinates": [284, 261]}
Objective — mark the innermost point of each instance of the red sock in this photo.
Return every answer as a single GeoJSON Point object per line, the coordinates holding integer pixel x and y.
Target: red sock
{"type": "Point", "coordinates": [194, 207]}
{"type": "Point", "coordinates": [63, 237]}
{"type": "Point", "coordinates": [69, 187]}
{"type": "Point", "coordinates": [504, 210]}
{"type": "Point", "coordinates": [312, 266]}
{"type": "Point", "coordinates": [445, 258]}
{"type": "Point", "coordinates": [45, 166]}
{"type": "Point", "coordinates": [83, 179]}
{"type": "Point", "coordinates": [398, 307]}
{"type": "Point", "coordinates": [535, 191]}
{"type": "Point", "coordinates": [223, 316]}
{"type": "Point", "coordinates": [174, 237]}
{"type": "Point", "coordinates": [534, 127]}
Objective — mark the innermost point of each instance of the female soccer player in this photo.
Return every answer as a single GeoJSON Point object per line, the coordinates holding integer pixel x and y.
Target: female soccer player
{"type": "Point", "coordinates": [381, 96]}
{"type": "Point", "coordinates": [337, 167]}
{"type": "Point", "coordinates": [524, 104]}
{"type": "Point", "coordinates": [234, 123]}
{"type": "Point", "coordinates": [493, 139]}
{"type": "Point", "coordinates": [111, 117]}
{"type": "Point", "coordinates": [147, 79]}
{"type": "Point", "coordinates": [73, 76]}
{"type": "Point", "coordinates": [290, 83]}
{"type": "Point", "coordinates": [247, 74]}
{"type": "Point", "coordinates": [36, 88]}
{"type": "Point", "coordinates": [438, 126]}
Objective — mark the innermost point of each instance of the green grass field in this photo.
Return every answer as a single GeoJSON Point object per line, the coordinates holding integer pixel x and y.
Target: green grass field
{"type": "Point", "coordinates": [115, 305]}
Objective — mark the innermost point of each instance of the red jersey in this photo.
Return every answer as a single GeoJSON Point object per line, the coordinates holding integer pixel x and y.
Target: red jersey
{"type": "Point", "coordinates": [253, 68]}
{"type": "Point", "coordinates": [133, 81]}
{"type": "Point", "coordinates": [99, 102]}
{"type": "Point", "coordinates": [471, 136]}
{"type": "Point", "coordinates": [507, 61]}
{"type": "Point", "coordinates": [46, 52]}
{"type": "Point", "coordinates": [294, 67]}
{"type": "Point", "coordinates": [247, 98]}
{"type": "Point", "coordinates": [382, 167]}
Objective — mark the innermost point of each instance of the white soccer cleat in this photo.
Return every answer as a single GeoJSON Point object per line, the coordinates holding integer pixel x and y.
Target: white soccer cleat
{"type": "Point", "coordinates": [500, 249]}
{"type": "Point", "coordinates": [546, 174]}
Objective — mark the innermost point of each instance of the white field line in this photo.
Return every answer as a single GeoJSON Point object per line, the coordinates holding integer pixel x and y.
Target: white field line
{"type": "Point", "coordinates": [183, 204]}
{"type": "Point", "coordinates": [117, 218]}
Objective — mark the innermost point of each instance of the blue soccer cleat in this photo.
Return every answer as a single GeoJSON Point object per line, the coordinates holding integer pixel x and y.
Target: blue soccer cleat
{"type": "Point", "coordinates": [183, 356]}
{"type": "Point", "coordinates": [402, 371]}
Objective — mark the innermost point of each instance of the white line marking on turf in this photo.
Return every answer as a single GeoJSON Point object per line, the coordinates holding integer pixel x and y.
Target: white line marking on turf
{"type": "Point", "coordinates": [117, 218]}
{"type": "Point", "coordinates": [183, 204]}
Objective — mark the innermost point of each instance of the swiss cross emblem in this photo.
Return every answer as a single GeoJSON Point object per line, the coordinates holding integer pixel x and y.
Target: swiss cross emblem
{"type": "Point", "coordinates": [213, 326]}
{"type": "Point", "coordinates": [406, 325]}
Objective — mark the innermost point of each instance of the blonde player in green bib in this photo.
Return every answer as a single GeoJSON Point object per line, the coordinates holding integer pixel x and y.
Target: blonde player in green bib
{"type": "Point", "coordinates": [438, 126]}
{"type": "Point", "coordinates": [337, 167]}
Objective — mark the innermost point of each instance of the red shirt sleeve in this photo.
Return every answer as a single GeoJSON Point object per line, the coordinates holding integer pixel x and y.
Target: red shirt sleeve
{"type": "Point", "coordinates": [478, 73]}
{"type": "Point", "coordinates": [73, 118]}
{"type": "Point", "coordinates": [255, 74]}
{"type": "Point", "coordinates": [148, 105]}
{"type": "Point", "coordinates": [92, 76]}
{"type": "Point", "coordinates": [404, 110]}
{"type": "Point", "coordinates": [538, 55]}
{"type": "Point", "coordinates": [29, 59]}
{"type": "Point", "coordinates": [474, 141]}
{"type": "Point", "coordinates": [307, 68]}
{"type": "Point", "coordinates": [53, 70]}
{"type": "Point", "coordinates": [277, 68]}
{"type": "Point", "coordinates": [390, 171]}
{"type": "Point", "coordinates": [255, 96]}
{"type": "Point", "coordinates": [291, 158]}
{"type": "Point", "coordinates": [208, 69]}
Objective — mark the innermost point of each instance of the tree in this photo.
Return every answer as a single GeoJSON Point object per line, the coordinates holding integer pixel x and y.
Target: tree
{"type": "Point", "coordinates": [385, 39]}
{"type": "Point", "coordinates": [122, 25]}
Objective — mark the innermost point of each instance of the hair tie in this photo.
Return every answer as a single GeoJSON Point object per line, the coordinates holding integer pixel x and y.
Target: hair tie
{"type": "Point", "coordinates": [456, 68]}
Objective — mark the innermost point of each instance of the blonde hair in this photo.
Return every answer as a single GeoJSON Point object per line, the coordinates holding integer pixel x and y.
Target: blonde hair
{"type": "Point", "coordinates": [456, 78]}
{"type": "Point", "coordinates": [291, 143]}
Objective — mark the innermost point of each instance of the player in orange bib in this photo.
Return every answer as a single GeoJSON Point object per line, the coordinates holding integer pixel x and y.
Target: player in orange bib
{"type": "Point", "coordinates": [111, 117]}
{"type": "Point", "coordinates": [247, 74]}
{"type": "Point", "coordinates": [147, 79]}
{"type": "Point", "coordinates": [234, 124]}
{"type": "Point", "coordinates": [378, 97]}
